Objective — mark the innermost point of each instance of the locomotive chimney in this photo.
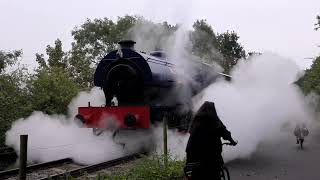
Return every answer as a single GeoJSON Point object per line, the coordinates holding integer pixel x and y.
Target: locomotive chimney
{"type": "Point", "coordinates": [126, 44]}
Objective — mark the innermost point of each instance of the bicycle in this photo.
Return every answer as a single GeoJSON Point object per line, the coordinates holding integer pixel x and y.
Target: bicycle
{"type": "Point", "coordinates": [224, 172]}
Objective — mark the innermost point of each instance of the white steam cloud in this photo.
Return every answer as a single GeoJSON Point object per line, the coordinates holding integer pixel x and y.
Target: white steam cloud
{"type": "Point", "coordinates": [258, 104]}
{"type": "Point", "coordinates": [261, 104]}
{"type": "Point", "coordinates": [53, 137]}
{"type": "Point", "coordinates": [56, 136]}
{"type": "Point", "coordinates": [176, 142]}
{"type": "Point", "coordinates": [259, 101]}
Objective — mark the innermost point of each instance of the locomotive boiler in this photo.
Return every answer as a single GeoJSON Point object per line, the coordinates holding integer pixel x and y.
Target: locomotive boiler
{"type": "Point", "coordinates": [146, 87]}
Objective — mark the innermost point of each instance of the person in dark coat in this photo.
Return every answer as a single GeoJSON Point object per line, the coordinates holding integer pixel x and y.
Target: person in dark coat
{"type": "Point", "coordinates": [204, 146]}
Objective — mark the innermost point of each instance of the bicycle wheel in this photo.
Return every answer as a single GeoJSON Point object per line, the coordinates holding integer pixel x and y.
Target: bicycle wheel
{"type": "Point", "coordinates": [225, 173]}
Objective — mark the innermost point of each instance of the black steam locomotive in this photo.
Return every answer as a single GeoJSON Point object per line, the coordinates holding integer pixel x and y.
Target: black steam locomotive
{"type": "Point", "coordinates": [146, 87]}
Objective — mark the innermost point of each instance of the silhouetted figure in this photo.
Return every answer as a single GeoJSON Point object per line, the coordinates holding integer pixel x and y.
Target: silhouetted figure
{"type": "Point", "coordinates": [301, 132]}
{"type": "Point", "coordinates": [204, 147]}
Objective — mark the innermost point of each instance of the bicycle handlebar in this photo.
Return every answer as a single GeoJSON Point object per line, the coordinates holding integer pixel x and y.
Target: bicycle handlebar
{"type": "Point", "coordinates": [229, 144]}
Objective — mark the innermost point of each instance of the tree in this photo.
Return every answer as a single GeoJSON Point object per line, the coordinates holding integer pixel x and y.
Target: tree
{"type": "Point", "coordinates": [310, 81]}
{"type": "Point", "coordinates": [57, 58]}
{"type": "Point", "coordinates": [51, 91]}
{"type": "Point", "coordinates": [13, 95]}
{"type": "Point", "coordinates": [73, 63]}
{"type": "Point", "coordinates": [96, 37]}
{"type": "Point", "coordinates": [8, 58]}
{"type": "Point", "coordinates": [231, 50]}
{"type": "Point", "coordinates": [81, 68]}
{"type": "Point", "coordinates": [204, 42]}
{"type": "Point", "coordinates": [222, 48]}
{"type": "Point", "coordinates": [317, 25]}
{"type": "Point", "coordinates": [52, 88]}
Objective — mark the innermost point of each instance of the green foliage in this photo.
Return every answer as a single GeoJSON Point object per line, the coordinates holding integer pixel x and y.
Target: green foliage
{"type": "Point", "coordinates": [74, 64]}
{"type": "Point", "coordinates": [52, 90]}
{"type": "Point", "coordinates": [14, 103]}
{"type": "Point", "coordinates": [96, 37]}
{"type": "Point", "coordinates": [13, 96]}
{"type": "Point", "coordinates": [151, 168]}
{"type": "Point", "coordinates": [80, 69]}
{"type": "Point", "coordinates": [230, 48]}
{"type": "Point", "coordinates": [52, 87]}
{"type": "Point", "coordinates": [222, 48]}
{"type": "Point", "coordinates": [8, 58]}
{"type": "Point", "coordinates": [57, 58]}
{"type": "Point", "coordinates": [204, 41]}
{"type": "Point", "coordinates": [56, 55]}
{"type": "Point", "coordinates": [310, 82]}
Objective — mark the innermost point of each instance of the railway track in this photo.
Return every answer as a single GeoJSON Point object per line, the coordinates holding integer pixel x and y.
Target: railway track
{"type": "Point", "coordinates": [62, 168]}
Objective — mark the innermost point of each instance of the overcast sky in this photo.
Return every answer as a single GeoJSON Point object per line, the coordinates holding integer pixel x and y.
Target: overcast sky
{"type": "Point", "coordinates": [285, 27]}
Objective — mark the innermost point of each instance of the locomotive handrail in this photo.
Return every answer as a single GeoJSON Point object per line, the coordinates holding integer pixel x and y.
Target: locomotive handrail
{"type": "Point", "coordinates": [156, 61]}
{"type": "Point", "coordinates": [227, 75]}
{"type": "Point", "coordinates": [123, 58]}
{"type": "Point", "coordinates": [223, 74]}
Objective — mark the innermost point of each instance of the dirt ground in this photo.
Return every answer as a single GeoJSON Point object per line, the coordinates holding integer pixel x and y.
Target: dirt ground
{"type": "Point", "coordinates": [282, 160]}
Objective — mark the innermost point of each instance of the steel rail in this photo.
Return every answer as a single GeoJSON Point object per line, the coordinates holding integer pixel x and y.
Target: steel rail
{"type": "Point", "coordinates": [93, 168]}
{"type": "Point", "coordinates": [30, 168]}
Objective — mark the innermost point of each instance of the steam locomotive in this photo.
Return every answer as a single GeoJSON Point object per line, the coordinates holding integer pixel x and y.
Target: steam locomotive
{"type": "Point", "coordinates": [147, 87]}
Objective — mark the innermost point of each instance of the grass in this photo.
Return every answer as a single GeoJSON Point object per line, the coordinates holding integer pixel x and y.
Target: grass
{"type": "Point", "coordinates": [149, 168]}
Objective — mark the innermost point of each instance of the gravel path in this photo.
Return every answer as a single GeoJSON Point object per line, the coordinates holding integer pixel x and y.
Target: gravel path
{"type": "Point", "coordinates": [282, 160]}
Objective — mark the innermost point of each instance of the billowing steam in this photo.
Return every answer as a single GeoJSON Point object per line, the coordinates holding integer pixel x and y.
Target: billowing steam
{"type": "Point", "coordinates": [52, 137]}
{"type": "Point", "coordinates": [258, 104]}
{"type": "Point", "coordinates": [260, 100]}
{"type": "Point", "coordinates": [261, 104]}
{"type": "Point", "coordinates": [56, 136]}
{"type": "Point", "coordinates": [176, 142]}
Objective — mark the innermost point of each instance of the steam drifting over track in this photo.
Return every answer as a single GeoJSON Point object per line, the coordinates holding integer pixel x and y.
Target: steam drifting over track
{"type": "Point", "coordinates": [65, 167]}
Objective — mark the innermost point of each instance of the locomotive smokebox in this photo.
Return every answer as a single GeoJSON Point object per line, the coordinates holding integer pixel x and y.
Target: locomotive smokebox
{"type": "Point", "coordinates": [124, 81]}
